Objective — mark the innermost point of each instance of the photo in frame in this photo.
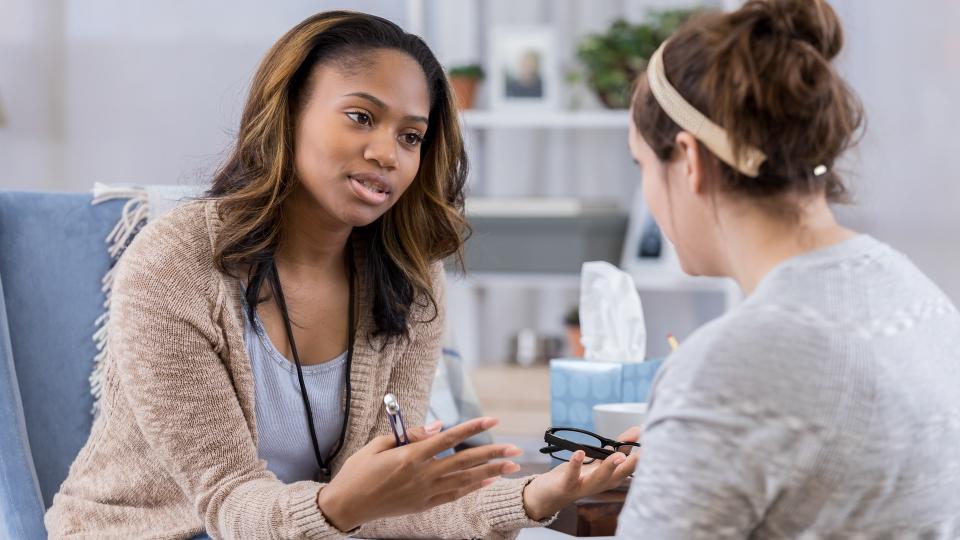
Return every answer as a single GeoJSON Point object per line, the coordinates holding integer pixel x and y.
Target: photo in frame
{"type": "Point", "coordinates": [523, 68]}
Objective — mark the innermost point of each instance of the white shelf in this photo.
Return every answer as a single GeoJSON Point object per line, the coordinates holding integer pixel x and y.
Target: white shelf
{"type": "Point", "coordinates": [654, 281]}
{"type": "Point", "coordinates": [534, 207]}
{"type": "Point", "coordinates": [602, 119]}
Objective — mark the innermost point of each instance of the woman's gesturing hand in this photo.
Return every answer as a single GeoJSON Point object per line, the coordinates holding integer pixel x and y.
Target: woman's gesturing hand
{"type": "Point", "coordinates": [546, 494]}
{"type": "Point", "coordinates": [383, 480]}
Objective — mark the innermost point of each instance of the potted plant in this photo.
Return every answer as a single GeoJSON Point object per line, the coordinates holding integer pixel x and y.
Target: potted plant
{"type": "Point", "coordinates": [613, 59]}
{"type": "Point", "coordinates": [464, 79]}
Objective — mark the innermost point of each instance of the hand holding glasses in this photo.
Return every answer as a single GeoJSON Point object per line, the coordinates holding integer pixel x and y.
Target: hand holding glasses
{"type": "Point", "coordinates": [563, 442]}
{"type": "Point", "coordinates": [594, 464]}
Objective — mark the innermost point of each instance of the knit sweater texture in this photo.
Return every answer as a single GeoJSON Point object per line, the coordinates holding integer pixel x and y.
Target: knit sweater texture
{"type": "Point", "coordinates": [173, 452]}
{"type": "Point", "coordinates": [825, 406]}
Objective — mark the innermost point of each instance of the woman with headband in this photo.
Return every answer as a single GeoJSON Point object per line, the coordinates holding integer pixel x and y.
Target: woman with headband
{"type": "Point", "coordinates": [826, 404]}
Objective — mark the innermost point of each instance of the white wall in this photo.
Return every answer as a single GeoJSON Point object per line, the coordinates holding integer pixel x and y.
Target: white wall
{"type": "Point", "coordinates": [903, 59]}
{"type": "Point", "coordinates": [31, 91]}
{"type": "Point", "coordinates": [144, 92]}
{"type": "Point", "coordinates": [150, 92]}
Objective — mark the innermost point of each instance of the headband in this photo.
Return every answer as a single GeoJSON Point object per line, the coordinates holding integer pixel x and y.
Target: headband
{"type": "Point", "coordinates": [690, 119]}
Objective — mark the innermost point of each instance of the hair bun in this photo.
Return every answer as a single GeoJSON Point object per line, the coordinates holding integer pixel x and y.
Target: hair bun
{"type": "Point", "coordinates": [811, 21]}
{"type": "Point", "coordinates": [762, 72]}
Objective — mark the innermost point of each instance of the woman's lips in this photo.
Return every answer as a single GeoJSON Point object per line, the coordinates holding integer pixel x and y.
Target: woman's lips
{"type": "Point", "coordinates": [369, 188]}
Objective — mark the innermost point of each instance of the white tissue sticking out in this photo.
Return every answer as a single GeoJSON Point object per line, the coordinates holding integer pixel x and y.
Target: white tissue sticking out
{"type": "Point", "coordinates": [611, 318]}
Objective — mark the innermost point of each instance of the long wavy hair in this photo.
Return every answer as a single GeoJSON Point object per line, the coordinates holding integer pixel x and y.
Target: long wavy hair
{"type": "Point", "coordinates": [425, 225]}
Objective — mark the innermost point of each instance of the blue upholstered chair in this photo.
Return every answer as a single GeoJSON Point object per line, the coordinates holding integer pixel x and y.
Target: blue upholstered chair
{"type": "Point", "coordinates": [52, 258]}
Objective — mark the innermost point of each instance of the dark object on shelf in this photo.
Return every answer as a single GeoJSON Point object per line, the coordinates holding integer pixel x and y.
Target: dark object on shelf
{"type": "Point", "coordinates": [552, 244]}
{"type": "Point", "coordinates": [528, 347]}
{"type": "Point", "coordinates": [651, 240]}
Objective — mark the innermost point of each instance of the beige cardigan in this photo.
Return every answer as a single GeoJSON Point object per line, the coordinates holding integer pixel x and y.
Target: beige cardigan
{"type": "Point", "coordinates": [174, 450]}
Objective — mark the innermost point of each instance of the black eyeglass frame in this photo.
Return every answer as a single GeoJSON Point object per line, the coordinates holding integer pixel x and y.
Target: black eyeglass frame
{"type": "Point", "coordinates": [558, 444]}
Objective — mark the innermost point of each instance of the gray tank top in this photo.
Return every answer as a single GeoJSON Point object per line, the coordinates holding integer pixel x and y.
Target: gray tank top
{"type": "Point", "coordinates": [282, 432]}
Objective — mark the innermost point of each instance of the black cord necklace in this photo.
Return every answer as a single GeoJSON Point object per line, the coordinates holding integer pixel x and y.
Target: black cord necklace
{"type": "Point", "coordinates": [324, 474]}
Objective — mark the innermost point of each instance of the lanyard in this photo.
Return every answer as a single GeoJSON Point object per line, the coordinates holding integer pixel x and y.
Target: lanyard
{"type": "Point", "coordinates": [324, 474]}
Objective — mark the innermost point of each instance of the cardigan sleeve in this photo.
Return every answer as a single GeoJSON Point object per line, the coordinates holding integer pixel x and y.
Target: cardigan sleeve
{"type": "Point", "coordinates": [169, 353]}
{"type": "Point", "coordinates": [492, 512]}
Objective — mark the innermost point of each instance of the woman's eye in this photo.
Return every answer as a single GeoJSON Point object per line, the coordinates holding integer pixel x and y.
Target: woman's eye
{"type": "Point", "coordinates": [412, 139]}
{"type": "Point", "coordinates": [361, 118]}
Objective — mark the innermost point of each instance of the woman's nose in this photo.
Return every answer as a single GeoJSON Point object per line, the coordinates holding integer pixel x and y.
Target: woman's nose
{"type": "Point", "coordinates": [382, 148]}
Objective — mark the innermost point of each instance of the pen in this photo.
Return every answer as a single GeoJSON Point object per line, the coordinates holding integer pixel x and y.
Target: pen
{"type": "Point", "coordinates": [396, 419]}
{"type": "Point", "coordinates": [674, 344]}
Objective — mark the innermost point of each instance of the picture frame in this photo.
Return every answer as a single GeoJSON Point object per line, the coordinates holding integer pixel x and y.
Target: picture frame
{"type": "Point", "coordinates": [646, 249]}
{"type": "Point", "coordinates": [523, 68]}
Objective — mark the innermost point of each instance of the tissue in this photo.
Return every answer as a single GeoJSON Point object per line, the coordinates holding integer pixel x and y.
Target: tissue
{"type": "Point", "coordinates": [611, 316]}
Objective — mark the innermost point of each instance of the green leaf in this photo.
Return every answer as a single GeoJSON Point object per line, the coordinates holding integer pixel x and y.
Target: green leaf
{"type": "Point", "coordinates": [612, 60]}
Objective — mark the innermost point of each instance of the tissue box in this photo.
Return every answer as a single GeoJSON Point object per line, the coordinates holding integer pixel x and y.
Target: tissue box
{"type": "Point", "coordinates": [577, 385]}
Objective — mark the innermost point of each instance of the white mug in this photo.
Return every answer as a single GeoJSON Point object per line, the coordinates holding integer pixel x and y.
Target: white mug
{"type": "Point", "coordinates": [612, 419]}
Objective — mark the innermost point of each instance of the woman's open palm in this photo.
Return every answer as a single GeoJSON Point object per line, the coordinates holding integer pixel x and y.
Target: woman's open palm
{"type": "Point", "coordinates": [550, 492]}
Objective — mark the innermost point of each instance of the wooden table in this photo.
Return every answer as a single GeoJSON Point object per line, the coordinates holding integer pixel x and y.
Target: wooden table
{"type": "Point", "coordinates": [590, 516]}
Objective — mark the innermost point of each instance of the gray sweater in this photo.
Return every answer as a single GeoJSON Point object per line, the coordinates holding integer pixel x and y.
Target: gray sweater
{"type": "Point", "coordinates": [826, 405]}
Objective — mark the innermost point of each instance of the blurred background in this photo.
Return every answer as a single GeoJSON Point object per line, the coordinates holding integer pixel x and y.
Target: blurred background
{"type": "Point", "coordinates": [138, 92]}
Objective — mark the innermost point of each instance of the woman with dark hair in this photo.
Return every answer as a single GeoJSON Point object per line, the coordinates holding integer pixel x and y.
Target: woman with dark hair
{"type": "Point", "coordinates": [826, 404]}
{"type": "Point", "coordinates": [254, 333]}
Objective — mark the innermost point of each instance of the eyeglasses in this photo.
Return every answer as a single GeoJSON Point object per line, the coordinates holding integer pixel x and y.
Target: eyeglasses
{"type": "Point", "coordinates": [563, 442]}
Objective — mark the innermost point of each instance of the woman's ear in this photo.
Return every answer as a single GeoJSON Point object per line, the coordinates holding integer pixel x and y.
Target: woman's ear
{"type": "Point", "coordinates": [691, 164]}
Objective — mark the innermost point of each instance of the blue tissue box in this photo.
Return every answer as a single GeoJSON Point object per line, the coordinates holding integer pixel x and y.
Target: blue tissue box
{"type": "Point", "coordinates": [577, 385]}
